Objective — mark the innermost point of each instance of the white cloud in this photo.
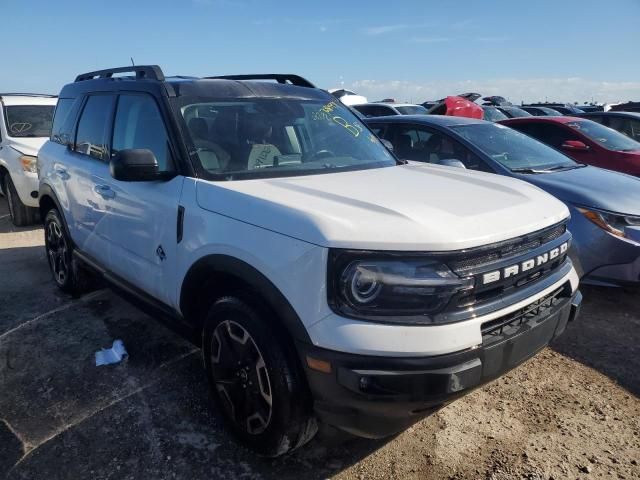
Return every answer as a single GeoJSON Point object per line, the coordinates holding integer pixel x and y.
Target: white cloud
{"type": "Point", "coordinates": [382, 29]}
{"type": "Point", "coordinates": [429, 39]}
{"type": "Point", "coordinates": [514, 89]}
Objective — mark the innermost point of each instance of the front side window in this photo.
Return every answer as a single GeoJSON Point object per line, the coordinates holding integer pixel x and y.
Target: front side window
{"type": "Point", "coordinates": [268, 137]}
{"type": "Point", "coordinates": [553, 135]}
{"type": "Point", "coordinates": [513, 149]}
{"type": "Point", "coordinates": [604, 136]}
{"type": "Point", "coordinates": [61, 129]}
{"type": "Point", "coordinates": [29, 120]}
{"type": "Point", "coordinates": [138, 124]}
{"type": "Point", "coordinates": [91, 137]}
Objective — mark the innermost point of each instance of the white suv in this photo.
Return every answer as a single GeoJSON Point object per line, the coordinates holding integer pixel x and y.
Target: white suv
{"type": "Point", "coordinates": [323, 278]}
{"type": "Point", "coordinates": [25, 124]}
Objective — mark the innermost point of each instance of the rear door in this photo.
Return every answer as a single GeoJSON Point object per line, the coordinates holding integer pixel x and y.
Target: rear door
{"type": "Point", "coordinates": [143, 216]}
{"type": "Point", "coordinates": [82, 168]}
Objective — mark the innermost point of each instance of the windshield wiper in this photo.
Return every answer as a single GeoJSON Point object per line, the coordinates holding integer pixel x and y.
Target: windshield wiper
{"type": "Point", "coordinates": [528, 170]}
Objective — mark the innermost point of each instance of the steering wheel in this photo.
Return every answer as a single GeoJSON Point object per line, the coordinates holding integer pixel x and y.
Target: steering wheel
{"type": "Point", "coordinates": [321, 154]}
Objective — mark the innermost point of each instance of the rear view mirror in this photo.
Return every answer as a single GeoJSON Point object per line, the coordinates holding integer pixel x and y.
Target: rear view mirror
{"type": "Point", "coordinates": [575, 145]}
{"type": "Point", "coordinates": [451, 162]}
{"type": "Point", "coordinates": [387, 144]}
{"type": "Point", "coordinates": [135, 165]}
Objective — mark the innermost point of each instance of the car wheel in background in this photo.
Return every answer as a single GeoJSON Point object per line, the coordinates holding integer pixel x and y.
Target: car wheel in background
{"type": "Point", "coordinates": [21, 215]}
{"type": "Point", "coordinates": [255, 380]}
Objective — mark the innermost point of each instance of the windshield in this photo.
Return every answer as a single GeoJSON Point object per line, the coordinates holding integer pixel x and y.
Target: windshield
{"type": "Point", "coordinates": [412, 110]}
{"type": "Point", "coordinates": [516, 112]}
{"type": "Point", "coordinates": [268, 137]}
{"type": "Point", "coordinates": [605, 136]}
{"type": "Point", "coordinates": [492, 114]}
{"type": "Point", "coordinates": [514, 150]}
{"type": "Point", "coordinates": [29, 120]}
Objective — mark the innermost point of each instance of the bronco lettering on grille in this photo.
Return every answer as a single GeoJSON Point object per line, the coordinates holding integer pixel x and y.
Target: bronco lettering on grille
{"type": "Point", "coordinates": [529, 264]}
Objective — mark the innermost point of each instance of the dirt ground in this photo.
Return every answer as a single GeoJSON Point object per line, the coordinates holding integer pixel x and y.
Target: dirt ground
{"type": "Point", "coordinates": [571, 412]}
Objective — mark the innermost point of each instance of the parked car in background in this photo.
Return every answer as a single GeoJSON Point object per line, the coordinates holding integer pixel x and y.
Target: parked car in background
{"type": "Point", "coordinates": [347, 96]}
{"type": "Point", "coordinates": [604, 205]}
{"type": "Point", "coordinates": [563, 108]}
{"type": "Point", "coordinates": [511, 111]}
{"type": "Point", "coordinates": [382, 109]}
{"type": "Point", "coordinates": [493, 114]}
{"type": "Point", "coordinates": [584, 141]}
{"type": "Point", "coordinates": [626, 107]}
{"type": "Point", "coordinates": [591, 108]}
{"type": "Point", "coordinates": [25, 124]}
{"type": "Point", "coordinates": [322, 277]}
{"type": "Point", "coordinates": [627, 123]}
{"type": "Point", "coordinates": [541, 111]}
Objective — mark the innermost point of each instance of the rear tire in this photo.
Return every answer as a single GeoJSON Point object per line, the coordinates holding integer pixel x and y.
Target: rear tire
{"type": "Point", "coordinates": [256, 381]}
{"type": "Point", "coordinates": [21, 215]}
{"type": "Point", "coordinates": [68, 274]}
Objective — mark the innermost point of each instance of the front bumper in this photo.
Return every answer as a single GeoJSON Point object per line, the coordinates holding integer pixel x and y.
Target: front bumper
{"type": "Point", "coordinates": [374, 396]}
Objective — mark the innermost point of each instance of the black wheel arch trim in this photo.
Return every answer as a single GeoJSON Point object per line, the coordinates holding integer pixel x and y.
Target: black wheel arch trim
{"type": "Point", "coordinates": [245, 273]}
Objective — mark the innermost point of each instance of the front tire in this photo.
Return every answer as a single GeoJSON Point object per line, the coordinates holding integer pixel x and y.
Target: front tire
{"type": "Point", "coordinates": [67, 273]}
{"type": "Point", "coordinates": [255, 379]}
{"type": "Point", "coordinates": [21, 215]}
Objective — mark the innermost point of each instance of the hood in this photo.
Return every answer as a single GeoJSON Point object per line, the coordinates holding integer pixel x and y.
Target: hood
{"type": "Point", "coordinates": [28, 145]}
{"type": "Point", "coordinates": [409, 207]}
{"type": "Point", "coordinates": [592, 187]}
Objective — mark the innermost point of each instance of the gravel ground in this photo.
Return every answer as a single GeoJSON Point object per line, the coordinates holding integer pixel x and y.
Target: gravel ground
{"type": "Point", "coordinates": [571, 412]}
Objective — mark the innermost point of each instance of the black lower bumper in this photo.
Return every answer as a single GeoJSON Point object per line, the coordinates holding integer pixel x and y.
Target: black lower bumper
{"type": "Point", "coordinates": [375, 397]}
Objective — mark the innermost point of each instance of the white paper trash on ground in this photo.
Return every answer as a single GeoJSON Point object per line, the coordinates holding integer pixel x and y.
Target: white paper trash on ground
{"type": "Point", "coordinates": [108, 356]}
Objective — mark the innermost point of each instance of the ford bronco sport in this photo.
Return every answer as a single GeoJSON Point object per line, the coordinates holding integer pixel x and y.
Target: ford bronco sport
{"type": "Point", "coordinates": [25, 124]}
{"type": "Point", "coordinates": [323, 278]}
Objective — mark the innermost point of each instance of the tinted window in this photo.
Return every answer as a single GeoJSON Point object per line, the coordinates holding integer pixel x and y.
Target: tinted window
{"type": "Point", "coordinates": [553, 135]}
{"type": "Point", "coordinates": [424, 145]}
{"type": "Point", "coordinates": [91, 138]}
{"type": "Point", "coordinates": [59, 133]}
{"type": "Point", "coordinates": [626, 126]}
{"type": "Point", "coordinates": [492, 114]}
{"type": "Point", "coordinates": [138, 124]}
{"type": "Point", "coordinates": [29, 120]}
{"type": "Point", "coordinates": [412, 110]}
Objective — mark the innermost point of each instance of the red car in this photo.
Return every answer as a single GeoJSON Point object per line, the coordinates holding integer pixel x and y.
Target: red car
{"type": "Point", "coordinates": [584, 141]}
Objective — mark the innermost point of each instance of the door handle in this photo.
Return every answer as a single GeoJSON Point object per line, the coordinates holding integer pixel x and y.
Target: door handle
{"type": "Point", "coordinates": [62, 173]}
{"type": "Point", "coordinates": [104, 191]}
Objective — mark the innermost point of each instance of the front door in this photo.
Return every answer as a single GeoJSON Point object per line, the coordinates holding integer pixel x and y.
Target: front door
{"type": "Point", "coordinates": [143, 215]}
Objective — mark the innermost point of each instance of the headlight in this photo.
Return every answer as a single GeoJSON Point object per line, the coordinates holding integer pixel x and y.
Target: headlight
{"type": "Point", "coordinates": [28, 163]}
{"type": "Point", "coordinates": [389, 287]}
{"type": "Point", "coordinates": [613, 223]}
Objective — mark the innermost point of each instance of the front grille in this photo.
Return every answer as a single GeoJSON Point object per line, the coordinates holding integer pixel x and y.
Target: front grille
{"type": "Point", "coordinates": [504, 250]}
{"type": "Point", "coordinates": [514, 320]}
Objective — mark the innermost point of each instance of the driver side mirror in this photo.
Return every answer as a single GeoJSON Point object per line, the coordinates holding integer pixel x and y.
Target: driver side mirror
{"type": "Point", "coordinates": [575, 145]}
{"type": "Point", "coordinates": [451, 162]}
{"type": "Point", "coordinates": [135, 165]}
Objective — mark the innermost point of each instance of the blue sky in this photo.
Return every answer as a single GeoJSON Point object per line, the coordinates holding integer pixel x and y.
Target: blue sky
{"type": "Point", "coordinates": [411, 50]}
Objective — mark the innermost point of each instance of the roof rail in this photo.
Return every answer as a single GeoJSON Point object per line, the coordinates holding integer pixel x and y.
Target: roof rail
{"type": "Point", "coordinates": [22, 94]}
{"type": "Point", "coordinates": [151, 72]}
{"type": "Point", "coordinates": [279, 77]}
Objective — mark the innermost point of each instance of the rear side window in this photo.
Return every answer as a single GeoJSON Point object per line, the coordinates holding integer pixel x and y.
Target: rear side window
{"type": "Point", "coordinates": [62, 121]}
{"type": "Point", "coordinates": [91, 138]}
{"type": "Point", "coordinates": [139, 124]}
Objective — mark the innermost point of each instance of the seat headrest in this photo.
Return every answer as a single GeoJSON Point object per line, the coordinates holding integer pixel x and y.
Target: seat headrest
{"type": "Point", "coordinates": [199, 128]}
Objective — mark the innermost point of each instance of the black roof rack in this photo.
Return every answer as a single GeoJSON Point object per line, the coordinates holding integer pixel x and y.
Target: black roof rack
{"type": "Point", "coordinates": [151, 72]}
{"type": "Point", "coordinates": [278, 77]}
{"type": "Point", "coordinates": [22, 94]}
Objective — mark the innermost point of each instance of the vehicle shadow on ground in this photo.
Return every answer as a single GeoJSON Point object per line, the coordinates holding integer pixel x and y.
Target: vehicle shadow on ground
{"type": "Point", "coordinates": [6, 226]}
{"type": "Point", "coordinates": [607, 335]}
